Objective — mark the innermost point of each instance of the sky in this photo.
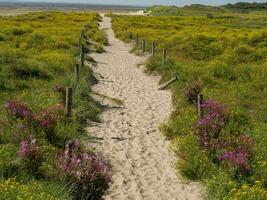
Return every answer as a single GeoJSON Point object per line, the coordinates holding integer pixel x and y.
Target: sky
{"type": "Point", "coordinates": [141, 2]}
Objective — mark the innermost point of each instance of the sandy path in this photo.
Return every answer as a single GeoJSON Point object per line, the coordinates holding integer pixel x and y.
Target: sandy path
{"type": "Point", "coordinates": [142, 163]}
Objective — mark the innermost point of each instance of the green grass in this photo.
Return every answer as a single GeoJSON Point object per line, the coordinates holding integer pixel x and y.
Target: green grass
{"type": "Point", "coordinates": [38, 52]}
{"type": "Point", "coordinates": [227, 52]}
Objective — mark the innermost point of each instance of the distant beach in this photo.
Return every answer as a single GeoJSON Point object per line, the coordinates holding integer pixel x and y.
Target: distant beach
{"type": "Point", "coordinates": [16, 8]}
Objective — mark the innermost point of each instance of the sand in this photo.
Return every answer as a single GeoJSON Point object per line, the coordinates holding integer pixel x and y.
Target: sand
{"type": "Point", "coordinates": [137, 13]}
{"type": "Point", "coordinates": [143, 165]}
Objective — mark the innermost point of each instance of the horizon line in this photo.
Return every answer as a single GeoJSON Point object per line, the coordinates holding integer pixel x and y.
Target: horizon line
{"type": "Point", "coordinates": [98, 4]}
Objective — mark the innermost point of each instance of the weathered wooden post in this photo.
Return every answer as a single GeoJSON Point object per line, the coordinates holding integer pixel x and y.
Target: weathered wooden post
{"type": "Point", "coordinates": [143, 46]}
{"type": "Point", "coordinates": [199, 105]}
{"type": "Point", "coordinates": [77, 72]}
{"type": "Point", "coordinates": [82, 56]}
{"type": "Point", "coordinates": [131, 35]}
{"type": "Point", "coordinates": [137, 40]}
{"type": "Point", "coordinates": [79, 42]}
{"type": "Point", "coordinates": [164, 56]}
{"type": "Point", "coordinates": [153, 48]}
{"type": "Point", "coordinates": [68, 104]}
{"type": "Point", "coordinates": [82, 34]}
{"type": "Point", "coordinates": [86, 27]}
{"type": "Point", "coordinates": [81, 38]}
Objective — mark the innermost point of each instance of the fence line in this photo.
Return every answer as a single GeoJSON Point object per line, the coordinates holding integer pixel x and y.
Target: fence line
{"type": "Point", "coordinates": [68, 94]}
{"type": "Point", "coordinates": [200, 99]}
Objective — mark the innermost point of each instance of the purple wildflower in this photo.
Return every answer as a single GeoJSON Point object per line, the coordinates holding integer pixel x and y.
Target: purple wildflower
{"type": "Point", "coordinates": [49, 117]}
{"type": "Point", "coordinates": [23, 149]}
{"type": "Point", "coordinates": [237, 152]}
{"type": "Point", "coordinates": [86, 170]}
{"type": "Point", "coordinates": [238, 158]}
{"type": "Point", "coordinates": [18, 110]}
{"type": "Point", "coordinates": [210, 125]}
{"type": "Point", "coordinates": [30, 155]}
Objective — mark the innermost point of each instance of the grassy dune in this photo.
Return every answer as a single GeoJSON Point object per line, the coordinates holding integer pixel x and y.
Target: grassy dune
{"type": "Point", "coordinates": [38, 52]}
{"type": "Point", "coordinates": [224, 57]}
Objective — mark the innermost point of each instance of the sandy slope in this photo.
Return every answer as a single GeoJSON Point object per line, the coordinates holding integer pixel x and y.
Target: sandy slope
{"type": "Point", "coordinates": [142, 163]}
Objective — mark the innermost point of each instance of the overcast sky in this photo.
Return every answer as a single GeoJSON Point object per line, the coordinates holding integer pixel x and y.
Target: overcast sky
{"type": "Point", "coordinates": [142, 2]}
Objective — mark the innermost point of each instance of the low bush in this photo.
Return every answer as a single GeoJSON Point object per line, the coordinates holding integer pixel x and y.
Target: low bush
{"type": "Point", "coordinates": [26, 71]}
{"type": "Point", "coordinates": [89, 174]}
{"type": "Point", "coordinates": [194, 161]}
{"type": "Point", "coordinates": [209, 126]}
{"type": "Point", "coordinates": [31, 156]}
{"type": "Point", "coordinates": [192, 90]}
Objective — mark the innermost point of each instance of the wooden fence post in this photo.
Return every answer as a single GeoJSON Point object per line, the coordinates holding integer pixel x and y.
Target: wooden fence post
{"type": "Point", "coordinates": [82, 34]}
{"type": "Point", "coordinates": [79, 42]}
{"type": "Point", "coordinates": [131, 35]}
{"type": "Point", "coordinates": [137, 40]}
{"type": "Point", "coordinates": [164, 56]}
{"type": "Point", "coordinates": [68, 104]}
{"type": "Point", "coordinates": [153, 48]}
{"type": "Point", "coordinates": [86, 26]}
{"type": "Point", "coordinates": [199, 105]}
{"type": "Point", "coordinates": [143, 46]}
{"type": "Point", "coordinates": [77, 72]}
{"type": "Point", "coordinates": [82, 56]}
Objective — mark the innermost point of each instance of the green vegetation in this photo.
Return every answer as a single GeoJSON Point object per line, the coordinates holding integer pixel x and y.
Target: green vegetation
{"type": "Point", "coordinates": [247, 6]}
{"type": "Point", "coordinates": [194, 9]}
{"type": "Point", "coordinates": [38, 52]}
{"type": "Point", "coordinates": [223, 56]}
{"type": "Point", "coordinates": [200, 10]}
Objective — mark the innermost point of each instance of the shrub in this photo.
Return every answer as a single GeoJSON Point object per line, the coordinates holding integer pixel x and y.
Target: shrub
{"type": "Point", "coordinates": [99, 48]}
{"type": "Point", "coordinates": [23, 132]}
{"type": "Point", "coordinates": [193, 162]}
{"type": "Point", "coordinates": [220, 185]}
{"type": "Point", "coordinates": [31, 156]}
{"type": "Point", "coordinates": [192, 90]}
{"type": "Point", "coordinates": [248, 192]}
{"type": "Point", "coordinates": [19, 110]}
{"type": "Point", "coordinates": [181, 123]}
{"type": "Point", "coordinates": [48, 120]}
{"type": "Point", "coordinates": [27, 70]}
{"type": "Point", "coordinates": [2, 37]}
{"type": "Point", "coordinates": [8, 164]}
{"type": "Point", "coordinates": [224, 72]}
{"type": "Point", "coordinates": [237, 153]}
{"type": "Point", "coordinates": [13, 189]}
{"type": "Point", "coordinates": [62, 93]}
{"type": "Point", "coordinates": [209, 126]}
{"type": "Point", "coordinates": [2, 85]}
{"type": "Point", "coordinates": [19, 31]}
{"type": "Point", "coordinates": [89, 173]}
{"type": "Point", "coordinates": [56, 61]}
{"type": "Point", "coordinates": [101, 37]}
{"type": "Point", "coordinates": [245, 54]}
{"type": "Point", "coordinates": [39, 40]}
